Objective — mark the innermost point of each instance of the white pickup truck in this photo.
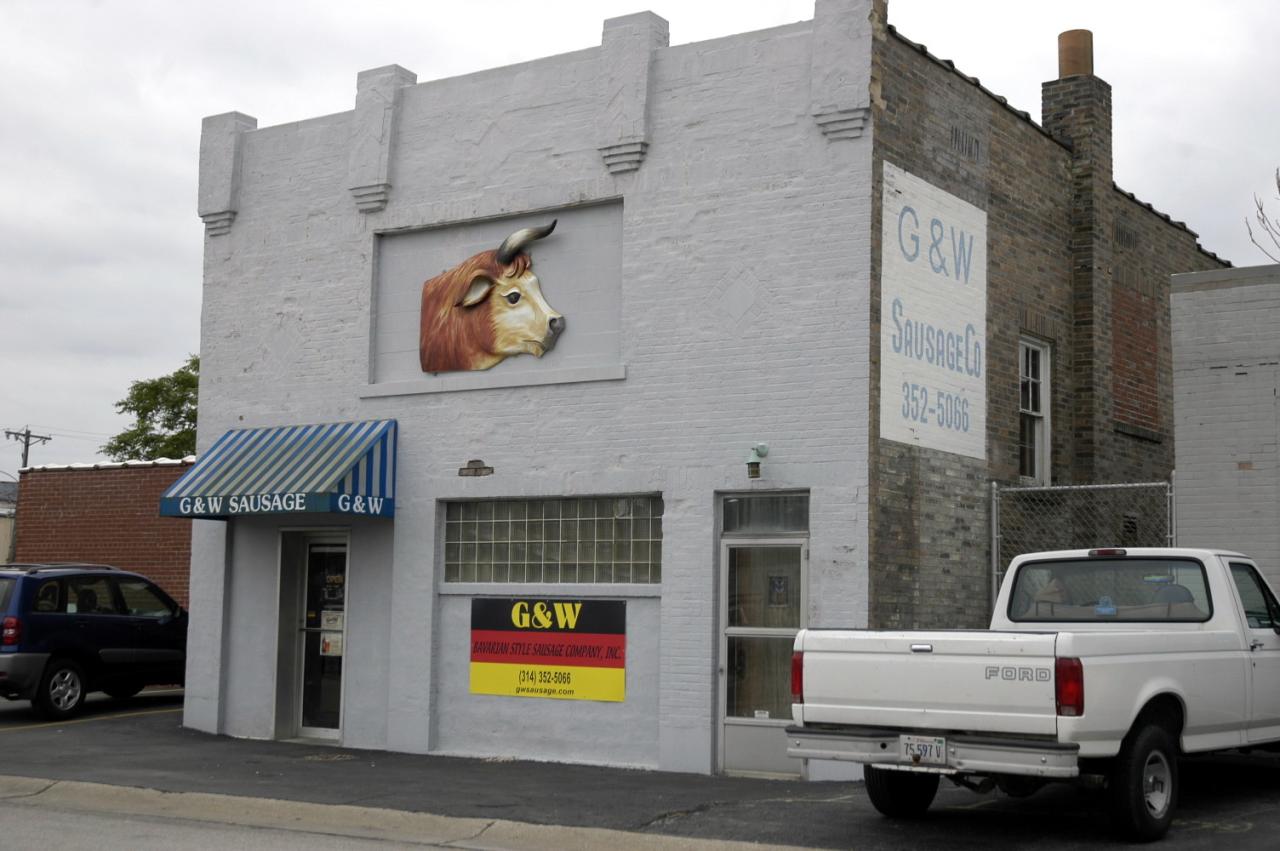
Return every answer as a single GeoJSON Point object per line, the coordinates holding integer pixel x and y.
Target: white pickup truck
{"type": "Point", "coordinates": [1100, 667]}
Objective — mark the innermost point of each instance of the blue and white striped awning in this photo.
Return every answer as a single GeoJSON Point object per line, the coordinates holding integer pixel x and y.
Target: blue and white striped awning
{"type": "Point", "coordinates": [343, 468]}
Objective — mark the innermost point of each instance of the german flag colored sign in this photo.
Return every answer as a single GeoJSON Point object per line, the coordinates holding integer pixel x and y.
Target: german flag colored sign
{"type": "Point", "coordinates": [562, 649]}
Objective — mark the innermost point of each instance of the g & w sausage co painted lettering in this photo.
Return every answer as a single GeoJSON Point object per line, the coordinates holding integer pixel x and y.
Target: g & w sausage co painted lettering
{"type": "Point", "coordinates": [251, 504]}
{"type": "Point", "coordinates": [277, 503]}
{"type": "Point", "coordinates": [933, 335]}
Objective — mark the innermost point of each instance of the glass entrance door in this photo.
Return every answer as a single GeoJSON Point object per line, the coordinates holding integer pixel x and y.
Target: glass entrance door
{"type": "Point", "coordinates": [322, 633]}
{"type": "Point", "coordinates": [763, 593]}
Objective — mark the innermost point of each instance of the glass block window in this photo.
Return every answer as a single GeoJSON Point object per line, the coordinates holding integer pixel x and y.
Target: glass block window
{"type": "Point", "coordinates": [607, 539]}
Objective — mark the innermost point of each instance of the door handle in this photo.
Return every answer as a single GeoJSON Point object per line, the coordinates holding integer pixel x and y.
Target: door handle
{"type": "Point", "coordinates": [1256, 645]}
{"type": "Point", "coordinates": [922, 648]}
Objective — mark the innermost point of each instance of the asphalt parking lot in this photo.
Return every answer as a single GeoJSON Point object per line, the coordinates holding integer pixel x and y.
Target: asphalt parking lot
{"type": "Point", "coordinates": [1231, 799]}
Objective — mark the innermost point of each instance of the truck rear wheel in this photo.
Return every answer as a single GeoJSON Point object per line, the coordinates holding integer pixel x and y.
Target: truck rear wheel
{"type": "Point", "coordinates": [900, 794]}
{"type": "Point", "coordinates": [1144, 785]}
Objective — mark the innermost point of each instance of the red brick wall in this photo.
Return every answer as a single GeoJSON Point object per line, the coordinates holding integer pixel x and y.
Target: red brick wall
{"type": "Point", "coordinates": [105, 516]}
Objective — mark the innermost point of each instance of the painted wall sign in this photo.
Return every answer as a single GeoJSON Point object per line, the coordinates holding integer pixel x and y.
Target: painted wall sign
{"type": "Point", "coordinates": [486, 309]}
{"type": "Point", "coordinates": [933, 318]}
{"type": "Point", "coordinates": [556, 648]}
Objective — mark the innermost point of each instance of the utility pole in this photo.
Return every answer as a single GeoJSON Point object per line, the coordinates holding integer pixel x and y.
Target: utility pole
{"type": "Point", "coordinates": [26, 437]}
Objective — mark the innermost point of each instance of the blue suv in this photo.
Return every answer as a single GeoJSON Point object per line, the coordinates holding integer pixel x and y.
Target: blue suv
{"type": "Point", "coordinates": [69, 629]}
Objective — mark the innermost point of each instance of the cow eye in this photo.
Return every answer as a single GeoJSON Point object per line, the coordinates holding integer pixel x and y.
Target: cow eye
{"type": "Point", "coordinates": [513, 297]}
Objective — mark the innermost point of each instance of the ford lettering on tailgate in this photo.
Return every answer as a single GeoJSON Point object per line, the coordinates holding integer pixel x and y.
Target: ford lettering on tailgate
{"type": "Point", "coordinates": [1019, 673]}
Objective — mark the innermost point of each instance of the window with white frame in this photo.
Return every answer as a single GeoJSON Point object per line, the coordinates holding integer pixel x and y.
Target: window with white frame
{"type": "Point", "coordinates": [1033, 411]}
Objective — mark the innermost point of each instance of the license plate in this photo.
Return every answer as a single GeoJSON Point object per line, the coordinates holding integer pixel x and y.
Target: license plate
{"type": "Point", "coordinates": [924, 750]}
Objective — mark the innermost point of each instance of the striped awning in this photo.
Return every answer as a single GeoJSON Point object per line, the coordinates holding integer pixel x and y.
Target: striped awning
{"type": "Point", "coordinates": [343, 468]}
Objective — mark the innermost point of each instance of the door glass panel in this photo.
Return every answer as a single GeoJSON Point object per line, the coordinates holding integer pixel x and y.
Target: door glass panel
{"type": "Point", "coordinates": [764, 587]}
{"type": "Point", "coordinates": [759, 677]}
{"type": "Point", "coordinates": [324, 614]}
{"type": "Point", "coordinates": [1258, 609]}
{"type": "Point", "coordinates": [141, 600]}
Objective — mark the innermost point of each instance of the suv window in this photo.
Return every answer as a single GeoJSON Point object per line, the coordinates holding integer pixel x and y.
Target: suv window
{"type": "Point", "coordinates": [48, 597]}
{"type": "Point", "coordinates": [90, 595]}
{"type": "Point", "coordinates": [1111, 589]}
{"type": "Point", "coordinates": [142, 600]}
{"type": "Point", "coordinates": [7, 584]}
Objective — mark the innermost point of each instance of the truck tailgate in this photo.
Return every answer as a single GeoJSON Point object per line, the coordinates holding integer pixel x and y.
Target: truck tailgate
{"type": "Point", "coordinates": [981, 681]}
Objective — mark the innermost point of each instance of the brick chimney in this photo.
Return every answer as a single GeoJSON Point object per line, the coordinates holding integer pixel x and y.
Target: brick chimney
{"type": "Point", "coordinates": [1076, 110]}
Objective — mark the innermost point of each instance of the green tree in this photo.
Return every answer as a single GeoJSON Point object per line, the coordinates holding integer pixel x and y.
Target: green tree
{"type": "Point", "coordinates": [164, 417]}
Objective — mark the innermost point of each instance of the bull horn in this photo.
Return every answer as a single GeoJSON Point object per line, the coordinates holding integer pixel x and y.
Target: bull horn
{"type": "Point", "coordinates": [514, 244]}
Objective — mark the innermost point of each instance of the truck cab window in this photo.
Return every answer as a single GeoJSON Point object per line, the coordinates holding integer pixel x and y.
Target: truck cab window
{"type": "Point", "coordinates": [1101, 589]}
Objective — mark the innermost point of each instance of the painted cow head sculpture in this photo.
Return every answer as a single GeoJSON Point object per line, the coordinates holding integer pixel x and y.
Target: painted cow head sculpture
{"type": "Point", "coordinates": [487, 309]}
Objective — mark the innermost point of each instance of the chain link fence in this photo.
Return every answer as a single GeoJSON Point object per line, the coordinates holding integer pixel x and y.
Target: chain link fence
{"type": "Point", "coordinates": [1066, 517]}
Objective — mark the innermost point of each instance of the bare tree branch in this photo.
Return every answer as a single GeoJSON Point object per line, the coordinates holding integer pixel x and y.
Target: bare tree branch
{"type": "Point", "coordinates": [1267, 225]}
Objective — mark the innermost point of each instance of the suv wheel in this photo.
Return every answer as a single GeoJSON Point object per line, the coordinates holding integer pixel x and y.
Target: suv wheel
{"type": "Point", "coordinates": [62, 690]}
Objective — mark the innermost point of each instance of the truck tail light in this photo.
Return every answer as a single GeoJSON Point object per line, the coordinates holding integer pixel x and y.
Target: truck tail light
{"type": "Point", "coordinates": [1069, 687]}
{"type": "Point", "coordinates": [10, 631]}
{"type": "Point", "coordinates": [797, 677]}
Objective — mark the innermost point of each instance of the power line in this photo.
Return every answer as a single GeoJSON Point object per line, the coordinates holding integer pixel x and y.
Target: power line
{"type": "Point", "coordinates": [26, 438]}
{"type": "Point", "coordinates": [81, 437]}
{"type": "Point", "coordinates": [61, 431]}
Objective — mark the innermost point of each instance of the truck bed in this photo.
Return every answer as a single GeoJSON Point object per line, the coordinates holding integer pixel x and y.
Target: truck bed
{"type": "Point", "coordinates": [976, 681]}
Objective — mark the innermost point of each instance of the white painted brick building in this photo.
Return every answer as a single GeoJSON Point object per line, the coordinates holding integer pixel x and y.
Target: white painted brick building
{"type": "Point", "coordinates": [730, 216]}
{"type": "Point", "coordinates": [1226, 362]}
{"type": "Point", "coordinates": [711, 260]}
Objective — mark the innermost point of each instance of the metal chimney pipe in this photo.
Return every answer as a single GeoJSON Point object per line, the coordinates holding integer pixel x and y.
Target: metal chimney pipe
{"type": "Point", "coordinates": [1075, 54]}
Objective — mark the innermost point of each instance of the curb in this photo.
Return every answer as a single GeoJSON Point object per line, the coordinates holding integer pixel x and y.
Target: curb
{"type": "Point", "coordinates": [337, 819]}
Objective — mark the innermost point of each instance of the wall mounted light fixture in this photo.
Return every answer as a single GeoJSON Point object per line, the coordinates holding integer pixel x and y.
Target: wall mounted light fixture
{"type": "Point", "coordinates": [758, 451]}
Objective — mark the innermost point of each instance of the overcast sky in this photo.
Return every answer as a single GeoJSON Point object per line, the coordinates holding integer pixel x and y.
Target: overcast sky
{"type": "Point", "coordinates": [100, 246]}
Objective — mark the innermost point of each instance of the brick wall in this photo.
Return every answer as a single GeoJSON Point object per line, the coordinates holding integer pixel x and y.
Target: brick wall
{"type": "Point", "coordinates": [1137, 434]}
{"type": "Point", "coordinates": [930, 526]}
{"type": "Point", "coordinates": [105, 516]}
{"type": "Point", "coordinates": [1072, 261]}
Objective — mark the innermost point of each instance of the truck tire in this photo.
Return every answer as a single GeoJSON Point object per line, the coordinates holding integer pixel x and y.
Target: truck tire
{"type": "Point", "coordinates": [1143, 787]}
{"type": "Point", "coordinates": [900, 794]}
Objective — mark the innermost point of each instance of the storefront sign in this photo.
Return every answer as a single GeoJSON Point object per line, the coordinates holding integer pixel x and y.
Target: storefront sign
{"type": "Point", "coordinates": [557, 648]}
{"type": "Point", "coordinates": [933, 318]}
{"type": "Point", "coordinates": [326, 468]}
{"type": "Point", "coordinates": [277, 503]}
